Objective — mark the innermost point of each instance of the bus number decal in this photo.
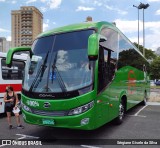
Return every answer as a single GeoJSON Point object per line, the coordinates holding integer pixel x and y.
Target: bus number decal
{"type": "Point", "coordinates": [32, 103]}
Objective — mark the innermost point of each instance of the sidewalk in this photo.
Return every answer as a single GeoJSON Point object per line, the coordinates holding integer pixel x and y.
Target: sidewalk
{"type": "Point", "coordinates": [154, 95]}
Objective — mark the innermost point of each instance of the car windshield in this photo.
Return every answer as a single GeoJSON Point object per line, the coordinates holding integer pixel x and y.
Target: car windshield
{"type": "Point", "coordinates": [59, 63]}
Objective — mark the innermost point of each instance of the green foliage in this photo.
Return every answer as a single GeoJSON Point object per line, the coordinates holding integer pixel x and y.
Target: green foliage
{"type": "Point", "coordinates": [149, 54]}
{"type": "Point", "coordinates": [155, 68]}
{"type": "Point", "coordinates": [132, 58]}
{"type": "Point", "coordinates": [155, 64]}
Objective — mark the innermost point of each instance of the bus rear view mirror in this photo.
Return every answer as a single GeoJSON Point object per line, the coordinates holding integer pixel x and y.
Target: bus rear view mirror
{"type": "Point", "coordinates": [14, 50]}
{"type": "Point", "coordinates": [93, 45]}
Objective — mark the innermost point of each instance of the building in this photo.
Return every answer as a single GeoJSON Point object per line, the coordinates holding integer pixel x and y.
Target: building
{"type": "Point", "coordinates": [8, 45]}
{"type": "Point", "coordinates": [27, 23]}
{"type": "Point", "coordinates": [4, 44]}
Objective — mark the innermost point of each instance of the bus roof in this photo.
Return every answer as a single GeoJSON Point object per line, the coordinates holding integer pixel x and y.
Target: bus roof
{"type": "Point", "coordinates": [19, 57]}
{"type": "Point", "coordinates": [80, 26]}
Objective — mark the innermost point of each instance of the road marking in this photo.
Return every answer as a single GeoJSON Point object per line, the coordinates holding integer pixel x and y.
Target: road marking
{"type": "Point", "coordinates": [137, 116]}
{"type": "Point", "coordinates": [26, 136]}
{"type": "Point", "coordinates": [88, 146]}
{"type": "Point", "coordinates": [140, 110]}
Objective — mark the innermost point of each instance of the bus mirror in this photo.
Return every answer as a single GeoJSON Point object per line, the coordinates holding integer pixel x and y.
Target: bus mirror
{"type": "Point", "coordinates": [14, 50]}
{"type": "Point", "coordinates": [93, 46]}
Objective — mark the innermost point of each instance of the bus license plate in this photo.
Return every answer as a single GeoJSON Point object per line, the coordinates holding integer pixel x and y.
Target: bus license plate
{"type": "Point", "coordinates": [48, 122]}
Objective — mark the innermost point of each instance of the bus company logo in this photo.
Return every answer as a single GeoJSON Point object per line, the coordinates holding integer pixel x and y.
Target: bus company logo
{"type": "Point", "coordinates": [131, 82]}
{"type": "Point", "coordinates": [47, 105]}
{"type": "Point", "coordinates": [6, 142]}
{"type": "Point", "coordinates": [46, 95]}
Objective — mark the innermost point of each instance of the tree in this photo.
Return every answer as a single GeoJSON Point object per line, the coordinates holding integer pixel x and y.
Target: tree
{"type": "Point", "coordinates": [155, 68]}
{"type": "Point", "coordinates": [155, 64]}
{"type": "Point", "coordinates": [132, 58]}
{"type": "Point", "coordinates": [149, 54]}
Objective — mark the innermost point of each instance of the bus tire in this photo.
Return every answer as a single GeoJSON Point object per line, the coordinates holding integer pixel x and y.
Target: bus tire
{"type": "Point", "coordinates": [121, 113]}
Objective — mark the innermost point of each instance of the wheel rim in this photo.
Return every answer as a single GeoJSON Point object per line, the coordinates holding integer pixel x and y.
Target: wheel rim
{"type": "Point", "coordinates": [121, 111]}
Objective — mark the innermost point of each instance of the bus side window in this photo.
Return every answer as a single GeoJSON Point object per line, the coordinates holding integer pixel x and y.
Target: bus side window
{"type": "Point", "coordinates": [13, 73]}
{"type": "Point", "coordinates": [112, 69]}
{"type": "Point", "coordinates": [9, 74]}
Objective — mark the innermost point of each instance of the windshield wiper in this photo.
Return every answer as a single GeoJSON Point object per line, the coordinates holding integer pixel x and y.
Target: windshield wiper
{"type": "Point", "coordinates": [40, 73]}
{"type": "Point", "coordinates": [60, 80]}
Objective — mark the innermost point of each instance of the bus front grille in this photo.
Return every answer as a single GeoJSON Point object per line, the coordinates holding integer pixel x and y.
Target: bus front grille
{"type": "Point", "coordinates": [49, 113]}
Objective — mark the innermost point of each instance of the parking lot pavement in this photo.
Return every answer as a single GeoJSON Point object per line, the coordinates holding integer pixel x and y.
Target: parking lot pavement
{"type": "Point", "coordinates": [141, 122]}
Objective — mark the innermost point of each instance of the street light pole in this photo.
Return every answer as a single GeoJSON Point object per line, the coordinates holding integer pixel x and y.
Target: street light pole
{"type": "Point", "coordinates": [138, 23]}
{"type": "Point", "coordinates": [143, 6]}
{"type": "Point", "coordinates": [143, 36]}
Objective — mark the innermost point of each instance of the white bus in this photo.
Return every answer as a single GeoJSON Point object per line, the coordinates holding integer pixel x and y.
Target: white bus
{"type": "Point", "coordinates": [11, 76]}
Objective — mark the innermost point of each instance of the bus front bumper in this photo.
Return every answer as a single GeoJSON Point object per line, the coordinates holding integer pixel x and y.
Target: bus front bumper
{"type": "Point", "coordinates": [84, 121]}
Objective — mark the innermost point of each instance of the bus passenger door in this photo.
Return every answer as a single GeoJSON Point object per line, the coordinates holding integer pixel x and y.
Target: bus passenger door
{"type": "Point", "coordinates": [103, 92]}
{"type": "Point", "coordinates": [110, 88]}
{"type": "Point", "coordinates": [106, 86]}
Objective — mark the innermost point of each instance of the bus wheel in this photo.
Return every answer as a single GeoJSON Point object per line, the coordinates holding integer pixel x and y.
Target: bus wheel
{"type": "Point", "coordinates": [121, 114]}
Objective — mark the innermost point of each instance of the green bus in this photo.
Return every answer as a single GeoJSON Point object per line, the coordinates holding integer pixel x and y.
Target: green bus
{"type": "Point", "coordinates": [82, 76]}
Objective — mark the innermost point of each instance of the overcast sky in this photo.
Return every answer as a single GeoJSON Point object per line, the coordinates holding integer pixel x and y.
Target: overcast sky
{"type": "Point", "coordinates": [58, 13]}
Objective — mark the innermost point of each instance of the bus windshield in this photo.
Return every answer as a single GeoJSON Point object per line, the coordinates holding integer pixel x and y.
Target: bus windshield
{"type": "Point", "coordinates": [59, 63]}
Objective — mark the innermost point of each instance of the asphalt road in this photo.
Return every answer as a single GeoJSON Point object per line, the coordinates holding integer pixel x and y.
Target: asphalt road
{"type": "Point", "coordinates": [140, 124]}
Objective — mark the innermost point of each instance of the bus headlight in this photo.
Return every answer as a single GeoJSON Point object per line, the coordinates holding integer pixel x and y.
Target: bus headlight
{"type": "Point", "coordinates": [81, 109]}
